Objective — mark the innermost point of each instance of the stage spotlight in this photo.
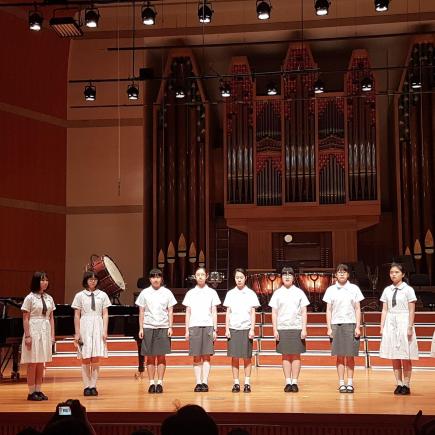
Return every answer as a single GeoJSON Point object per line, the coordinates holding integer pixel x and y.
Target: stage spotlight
{"type": "Point", "coordinates": [133, 91]}
{"type": "Point", "coordinates": [366, 84]}
{"type": "Point", "coordinates": [179, 93]}
{"type": "Point", "coordinates": [415, 81]}
{"type": "Point", "coordinates": [225, 89]}
{"type": "Point", "coordinates": [322, 7]}
{"type": "Point", "coordinates": [66, 27]}
{"type": "Point", "coordinates": [263, 9]}
{"type": "Point", "coordinates": [90, 92]}
{"type": "Point", "coordinates": [205, 12]}
{"type": "Point", "coordinates": [319, 87]}
{"type": "Point", "coordinates": [35, 20]}
{"type": "Point", "coordinates": [381, 5]}
{"type": "Point", "coordinates": [149, 14]}
{"type": "Point", "coordinates": [91, 17]}
{"type": "Point", "coordinates": [271, 89]}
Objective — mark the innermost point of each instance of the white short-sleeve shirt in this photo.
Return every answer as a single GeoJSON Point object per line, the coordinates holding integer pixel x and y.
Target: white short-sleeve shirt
{"type": "Point", "coordinates": [33, 304]}
{"type": "Point", "coordinates": [404, 295]}
{"type": "Point", "coordinates": [156, 303]}
{"type": "Point", "coordinates": [83, 302]}
{"type": "Point", "coordinates": [343, 302]}
{"type": "Point", "coordinates": [241, 302]}
{"type": "Point", "coordinates": [201, 300]}
{"type": "Point", "coordinates": [288, 303]}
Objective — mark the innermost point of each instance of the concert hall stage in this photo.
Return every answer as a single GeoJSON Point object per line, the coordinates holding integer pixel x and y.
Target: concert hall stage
{"type": "Point", "coordinates": [124, 404]}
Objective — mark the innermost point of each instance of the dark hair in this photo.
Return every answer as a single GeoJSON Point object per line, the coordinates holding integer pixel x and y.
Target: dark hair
{"type": "Point", "coordinates": [35, 283]}
{"type": "Point", "coordinates": [86, 276]}
{"type": "Point", "coordinates": [190, 419]}
{"type": "Point", "coordinates": [155, 272]}
{"type": "Point", "coordinates": [400, 266]}
{"type": "Point", "coordinates": [240, 270]}
{"type": "Point", "coordinates": [287, 271]}
{"type": "Point", "coordinates": [201, 267]}
{"type": "Point", "coordinates": [67, 426]}
{"type": "Point", "coordinates": [342, 266]}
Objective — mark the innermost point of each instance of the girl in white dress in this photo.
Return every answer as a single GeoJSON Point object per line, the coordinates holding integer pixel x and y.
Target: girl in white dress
{"type": "Point", "coordinates": [91, 320]}
{"type": "Point", "coordinates": [39, 335]}
{"type": "Point", "coordinates": [399, 342]}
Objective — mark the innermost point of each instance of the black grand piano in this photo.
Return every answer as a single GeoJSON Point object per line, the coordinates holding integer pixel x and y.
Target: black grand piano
{"type": "Point", "coordinates": [123, 320]}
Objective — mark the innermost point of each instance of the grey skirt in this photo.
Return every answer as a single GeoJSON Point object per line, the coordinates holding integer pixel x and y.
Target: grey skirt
{"type": "Point", "coordinates": [201, 340]}
{"type": "Point", "coordinates": [290, 342]}
{"type": "Point", "coordinates": [155, 342]}
{"type": "Point", "coordinates": [344, 342]}
{"type": "Point", "coordinates": [239, 345]}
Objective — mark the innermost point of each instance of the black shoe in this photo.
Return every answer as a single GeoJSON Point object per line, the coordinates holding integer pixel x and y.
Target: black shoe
{"type": "Point", "coordinates": [405, 391]}
{"type": "Point", "coordinates": [152, 389]}
{"type": "Point", "coordinates": [87, 391]}
{"type": "Point", "coordinates": [198, 388]}
{"type": "Point", "coordinates": [236, 388]}
{"type": "Point", "coordinates": [247, 388]}
{"type": "Point", "coordinates": [94, 391]}
{"type": "Point", "coordinates": [159, 388]}
{"type": "Point", "coordinates": [204, 388]}
{"type": "Point", "coordinates": [41, 394]}
{"type": "Point", "coordinates": [295, 388]}
{"type": "Point", "coordinates": [288, 388]}
{"type": "Point", "coordinates": [398, 390]}
{"type": "Point", "coordinates": [35, 397]}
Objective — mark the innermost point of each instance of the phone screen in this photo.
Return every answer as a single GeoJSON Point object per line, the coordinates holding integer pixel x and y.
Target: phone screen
{"type": "Point", "coordinates": [64, 410]}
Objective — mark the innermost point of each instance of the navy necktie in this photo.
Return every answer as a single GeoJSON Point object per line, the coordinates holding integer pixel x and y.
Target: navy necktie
{"type": "Point", "coordinates": [394, 303]}
{"type": "Point", "coordinates": [92, 301]}
{"type": "Point", "coordinates": [44, 306]}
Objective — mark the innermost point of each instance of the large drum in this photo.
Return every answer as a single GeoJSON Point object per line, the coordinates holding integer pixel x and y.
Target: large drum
{"type": "Point", "coordinates": [109, 277]}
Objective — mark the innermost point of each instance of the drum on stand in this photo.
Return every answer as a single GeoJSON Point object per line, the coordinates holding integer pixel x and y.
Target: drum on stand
{"type": "Point", "coordinates": [315, 285]}
{"type": "Point", "coordinates": [264, 284]}
{"type": "Point", "coordinates": [109, 276]}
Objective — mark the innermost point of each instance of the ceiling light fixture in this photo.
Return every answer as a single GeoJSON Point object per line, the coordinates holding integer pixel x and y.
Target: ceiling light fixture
{"type": "Point", "coordinates": [271, 89]}
{"type": "Point", "coordinates": [322, 7]}
{"type": "Point", "coordinates": [319, 87]}
{"type": "Point", "coordinates": [366, 84]}
{"type": "Point", "coordinates": [91, 17]}
{"type": "Point", "coordinates": [225, 89]}
{"type": "Point", "coordinates": [415, 81]}
{"type": "Point", "coordinates": [179, 92]}
{"type": "Point", "coordinates": [35, 20]}
{"type": "Point", "coordinates": [149, 14]}
{"type": "Point", "coordinates": [66, 27]}
{"type": "Point", "coordinates": [205, 12]}
{"type": "Point", "coordinates": [263, 9]}
{"type": "Point", "coordinates": [381, 5]}
{"type": "Point", "coordinates": [90, 92]}
{"type": "Point", "coordinates": [132, 91]}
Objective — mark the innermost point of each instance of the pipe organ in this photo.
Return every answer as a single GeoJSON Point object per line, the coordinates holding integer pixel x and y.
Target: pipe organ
{"type": "Point", "coordinates": [415, 154]}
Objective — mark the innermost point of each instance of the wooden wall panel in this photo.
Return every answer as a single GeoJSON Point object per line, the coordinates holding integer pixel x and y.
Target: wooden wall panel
{"type": "Point", "coordinates": [34, 67]}
{"type": "Point", "coordinates": [30, 241]}
{"type": "Point", "coordinates": [33, 163]}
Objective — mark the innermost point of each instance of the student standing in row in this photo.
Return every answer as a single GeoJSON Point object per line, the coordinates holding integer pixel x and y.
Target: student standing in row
{"type": "Point", "coordinates": [201, 326]}
{"type": "Point", "coordinates": [241, 303]}
{"type": "Point", "coordinates": [91, 318]}
{"type": "Point", "coordinates": [399, 342]}
{"type": "Point", "coordinates": [38, 338]}
{"type": "Point", "coordinates": [343, 316]}
{"type": "Point", "coordinates": [289, 320]}
{"type": "Point", "coordinates": [155, 327]}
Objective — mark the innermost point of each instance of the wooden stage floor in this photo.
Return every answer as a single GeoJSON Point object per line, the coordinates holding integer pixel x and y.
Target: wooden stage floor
{"type": "Point", "coordinates": [120, 392]}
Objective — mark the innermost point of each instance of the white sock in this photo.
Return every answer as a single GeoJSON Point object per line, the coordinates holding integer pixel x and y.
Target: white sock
{"type": "Point", "coordinates": [236, 381]}
{"type": "Point", "coordinates": [400, 383]}
{"type": "Point", "coordinates": [86, 369]}
{"type": "Point", "coordinates": [37, 388]}
{"type": "Point", "coordinates": [294, 381]}
{"type": "Point", "coordinates": [198, 371]}
{"type": "Point", "coordinates": [160, 382]}
{"type": "Point", "coordinates": [31, 389]}
{"type": "Point", "coordinates": [247, 380]}
{"type": "Point", "coordinates": [341, 382]}
{"type": "Point", "coordinates": [152, 382]}
{"type": "Point", "coordinates": [205, 371]}
{"type": "Point", "coordinates": [95, 371]}
{"type": "Point", "coordinates": [350, 381]}
{"type": "Point", "coordinates": [288, 381]}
